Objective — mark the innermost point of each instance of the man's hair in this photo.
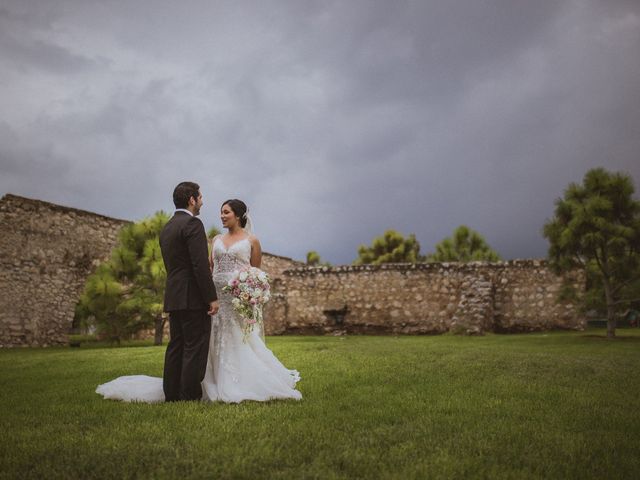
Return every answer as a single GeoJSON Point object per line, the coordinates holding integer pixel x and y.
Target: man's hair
{"type": "Point", "coordinates": [183, 192]}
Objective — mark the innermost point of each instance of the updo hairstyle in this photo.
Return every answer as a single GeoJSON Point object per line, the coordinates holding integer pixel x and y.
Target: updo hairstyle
{"type": "Point", "coordinates": [239, 208]}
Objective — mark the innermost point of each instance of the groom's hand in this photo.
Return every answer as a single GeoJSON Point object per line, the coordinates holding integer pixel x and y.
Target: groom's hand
{"type": "Point", "coordinates": [213, 307]}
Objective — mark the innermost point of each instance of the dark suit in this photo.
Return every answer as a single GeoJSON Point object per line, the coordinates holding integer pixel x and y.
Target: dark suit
{"type": "Point", "coordinates": [188, 292]}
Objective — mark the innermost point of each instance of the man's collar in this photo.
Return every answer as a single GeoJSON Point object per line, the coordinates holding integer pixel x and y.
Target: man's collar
{"type": "Point", "coordinates": [184, 210]}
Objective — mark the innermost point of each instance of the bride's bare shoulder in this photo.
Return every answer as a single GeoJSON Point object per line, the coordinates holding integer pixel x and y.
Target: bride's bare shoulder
{"type": "Point", "coordinates": [214, 238]}
{"type": "Point", "coordinates": [253, 239]}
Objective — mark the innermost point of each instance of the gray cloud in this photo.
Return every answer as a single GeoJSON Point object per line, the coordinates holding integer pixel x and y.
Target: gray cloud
{"type": "Point", "coordinates": [22, 50]}
{"type": "Point", "coordinates": [333, 120]}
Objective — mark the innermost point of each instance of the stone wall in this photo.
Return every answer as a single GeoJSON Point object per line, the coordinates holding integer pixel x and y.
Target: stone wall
{"type": "Point", "coordinates": [46, 253]}
{"type": "Point", "coordinates": [472, 298]}
{"type": "Point", "coordinates": [276, 265]}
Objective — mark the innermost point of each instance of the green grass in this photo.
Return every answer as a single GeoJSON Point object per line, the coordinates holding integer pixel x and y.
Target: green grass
{"type": "Point", "coordinates": [556, 405]}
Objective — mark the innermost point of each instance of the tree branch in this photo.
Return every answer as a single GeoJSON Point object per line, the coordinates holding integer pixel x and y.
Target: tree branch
{"type": "Point", "coordinates": [624, 284]}
{"type": "Point", "coordinates": [595, 254]}
{"type": "Point", "coordinates": [626, 300]}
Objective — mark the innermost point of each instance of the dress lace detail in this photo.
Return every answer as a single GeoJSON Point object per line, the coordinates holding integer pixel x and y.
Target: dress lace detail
{"type": "Point", "coordinates": [236, 370]}
{"type": "Point", "coordinates": [229, 260]}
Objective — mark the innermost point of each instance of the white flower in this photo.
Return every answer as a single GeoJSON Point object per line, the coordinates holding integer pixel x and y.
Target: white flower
{"type": "Point", "coordinates": [243, 276]}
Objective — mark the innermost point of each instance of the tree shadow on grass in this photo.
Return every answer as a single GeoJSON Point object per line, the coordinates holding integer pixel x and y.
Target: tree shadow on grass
{"type": "Point", "coordinates": [617, 338]}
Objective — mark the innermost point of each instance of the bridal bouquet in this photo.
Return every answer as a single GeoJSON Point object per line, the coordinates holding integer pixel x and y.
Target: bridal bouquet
{"type": "Point", "coordinates": [250, 290]}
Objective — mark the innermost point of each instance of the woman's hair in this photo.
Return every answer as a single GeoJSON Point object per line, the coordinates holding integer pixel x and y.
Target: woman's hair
{"type": "Point", "coordinates": [239, 208]}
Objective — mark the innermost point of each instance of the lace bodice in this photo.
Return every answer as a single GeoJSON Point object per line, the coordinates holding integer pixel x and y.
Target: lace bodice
{"type": "Point", "coordinates": [228, 260]}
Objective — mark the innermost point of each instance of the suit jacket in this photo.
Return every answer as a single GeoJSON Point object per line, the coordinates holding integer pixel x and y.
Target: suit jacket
{"type": "Point", "coordinates": [183, 242]}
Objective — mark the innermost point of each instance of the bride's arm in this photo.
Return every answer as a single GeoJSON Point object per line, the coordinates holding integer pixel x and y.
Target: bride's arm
{"type": "Point", "coordinates": [256, 252]}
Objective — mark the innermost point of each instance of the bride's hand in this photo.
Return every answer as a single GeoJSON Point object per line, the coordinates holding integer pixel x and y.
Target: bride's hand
{"type": "Point", "coordinates": [213, 307]}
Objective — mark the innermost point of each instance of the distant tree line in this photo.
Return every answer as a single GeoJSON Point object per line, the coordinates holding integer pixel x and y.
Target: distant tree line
{"type": "Point", "coordinates": [464, 245]}
{"type": "Point", "coordinates": [595, 226]}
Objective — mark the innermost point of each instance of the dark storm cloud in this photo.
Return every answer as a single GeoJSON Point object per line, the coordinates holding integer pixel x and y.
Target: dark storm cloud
{"type": "Point", "coordinates": [333, 120]}
{"type": "Point", "coordinates": [21, 51]}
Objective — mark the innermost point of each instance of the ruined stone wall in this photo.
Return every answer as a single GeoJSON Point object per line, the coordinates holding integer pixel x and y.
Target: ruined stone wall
{"type": "Point", "coordinates": [470, 298]}
{"type": "Point", "coordinates": [276, 310]}
{"type": "Point", "coordinates": [46, 253]}
{"type": "Point", "coordinates": [275, 265]}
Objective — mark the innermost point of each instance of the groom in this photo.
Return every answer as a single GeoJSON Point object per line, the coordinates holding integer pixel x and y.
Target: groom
{"type": "Point", "coordinates": [189, 297]}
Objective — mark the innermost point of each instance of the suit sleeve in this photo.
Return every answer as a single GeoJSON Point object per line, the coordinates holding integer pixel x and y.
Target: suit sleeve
{"type": "Point", "coordinates": [197, 245]}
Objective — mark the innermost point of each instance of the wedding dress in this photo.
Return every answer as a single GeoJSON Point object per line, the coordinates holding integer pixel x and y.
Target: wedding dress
{"type": "Point", "coordinates": [236, 370]}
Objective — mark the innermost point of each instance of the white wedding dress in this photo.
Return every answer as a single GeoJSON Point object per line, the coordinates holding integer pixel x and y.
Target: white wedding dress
{"type": "Point", "coordinates": [236, 370]}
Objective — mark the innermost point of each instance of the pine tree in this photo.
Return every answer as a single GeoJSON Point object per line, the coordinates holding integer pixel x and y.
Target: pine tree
{"type": "Point", "coordinates": [392, 247]}
{"type": "Point", "coordinates": [465, 245]}
{"type": "Point", "coordinates": [596, 226]}
{"type": "Point", "coordinates": [126, 293]}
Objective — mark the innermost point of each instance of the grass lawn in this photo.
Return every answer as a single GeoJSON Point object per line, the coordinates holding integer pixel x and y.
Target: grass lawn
{"type": "Point", "coordinates": [555, 405]}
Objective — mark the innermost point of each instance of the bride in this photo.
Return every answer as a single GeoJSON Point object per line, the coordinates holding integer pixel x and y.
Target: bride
{"type": "Point", "coordinates": [237, 369]}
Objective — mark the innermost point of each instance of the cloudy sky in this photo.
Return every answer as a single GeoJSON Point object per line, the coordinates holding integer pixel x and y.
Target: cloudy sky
{"type": "Point", "coordinates": [333, 120]}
